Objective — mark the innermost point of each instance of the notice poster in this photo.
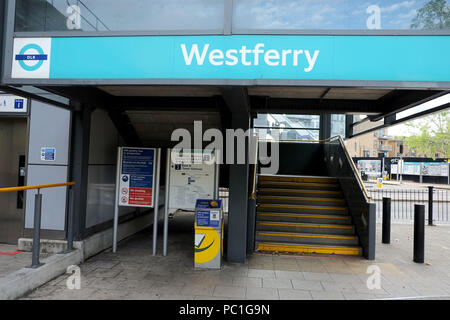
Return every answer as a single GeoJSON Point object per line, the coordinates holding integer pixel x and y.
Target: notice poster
{"type": "Point", "coordinates": [136, 177]}
{"type": "Point", "coordinates": [439, 169]}
{"type": "Point", "coordinates": [192, 177]}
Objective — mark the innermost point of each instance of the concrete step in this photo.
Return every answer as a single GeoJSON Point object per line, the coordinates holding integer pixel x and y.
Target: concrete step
{"type": "Point", "coordinates": [306, 238]}
{"type": "Point", "coordinates": [281, 207]}
{"type": "Point", "coordinates": [301, 200]}
{"type": "Point", "coordinates": [299, 185]}
{"type": "Point", "coordinates": [313, 228]}
{"type": "Point", "coordinates": [300, 193]}
{"type": "Point", "coordinates": [293, 178]}
{"type": "Point", "coordinates": [307, 248]}
{"type": "Point", "coordinates": [303, 217]}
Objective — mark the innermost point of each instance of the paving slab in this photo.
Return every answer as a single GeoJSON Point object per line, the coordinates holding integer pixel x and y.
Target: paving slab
{"type": "Point", "coordinates": [133, 273]}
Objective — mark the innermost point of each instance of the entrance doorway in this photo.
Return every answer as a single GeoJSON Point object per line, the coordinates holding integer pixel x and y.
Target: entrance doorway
{"type": "Point", "coordinates": [13, 133]}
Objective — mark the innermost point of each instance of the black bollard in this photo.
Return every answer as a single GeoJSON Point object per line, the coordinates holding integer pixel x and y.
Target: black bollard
{"type": "Point", "coordinates": [419, 233]}
{"type": "Point", "coordinates": [386, 236]}
{"type": "Point", "coordinates": [430, 205]}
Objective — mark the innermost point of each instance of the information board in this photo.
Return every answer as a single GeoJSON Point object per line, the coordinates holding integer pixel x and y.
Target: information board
{"type": "Point", "coordinates": [136, 177]}
{"type": "Point", "coordinates": [436, 169]}
{"type": "Point", "coordinates": [192, 177]}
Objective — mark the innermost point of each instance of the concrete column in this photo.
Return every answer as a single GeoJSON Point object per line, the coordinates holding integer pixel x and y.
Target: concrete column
{"type": "Point", "coordinates": [237, 102]}
{"type": "Point", "coordinates": [238, 205]}
{"type": "Point", "coordinates": [81, 126]}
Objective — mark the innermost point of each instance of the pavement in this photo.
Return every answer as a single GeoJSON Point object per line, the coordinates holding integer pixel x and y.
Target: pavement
{"type": "Point", "coordinates": [12, 260]}
{"type": "Point", "coordinates": [133, 273]}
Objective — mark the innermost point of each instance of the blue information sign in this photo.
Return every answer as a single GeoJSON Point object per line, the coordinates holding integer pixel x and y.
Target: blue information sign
{"type": "Point", "coordinates": [136, 177]}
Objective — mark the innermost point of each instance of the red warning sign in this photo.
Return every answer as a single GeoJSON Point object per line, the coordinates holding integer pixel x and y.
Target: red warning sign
{"type": "Point", "coordinates": [140, 196]}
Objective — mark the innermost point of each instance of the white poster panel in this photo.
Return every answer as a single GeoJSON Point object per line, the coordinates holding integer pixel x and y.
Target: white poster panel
{"type": "Point", "coordinates": [192, 177]}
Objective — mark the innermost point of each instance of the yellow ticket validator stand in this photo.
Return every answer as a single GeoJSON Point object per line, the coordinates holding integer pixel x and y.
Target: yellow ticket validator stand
{"type": "Point", "coordinates": [208, 242]}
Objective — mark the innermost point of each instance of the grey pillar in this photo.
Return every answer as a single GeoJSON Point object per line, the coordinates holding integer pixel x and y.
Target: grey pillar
{"type": "Point", "coordinates": [81, 127]}
{"type": "Point", "coordinates": [2, 36]}
{"type": "Point", "coordinates": [238, 103]}
{"type": "Point", "coordinates": [325, 126]}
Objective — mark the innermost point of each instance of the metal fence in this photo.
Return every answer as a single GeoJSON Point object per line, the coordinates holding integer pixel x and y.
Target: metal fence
{"type": "Point", "coordinates": [403, 201]}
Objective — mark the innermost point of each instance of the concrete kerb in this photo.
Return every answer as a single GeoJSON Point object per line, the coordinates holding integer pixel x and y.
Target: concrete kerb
{"type": "Point", "coordinates": [24, 280]}
{"type": "Point", "coordinates": [27, 279]}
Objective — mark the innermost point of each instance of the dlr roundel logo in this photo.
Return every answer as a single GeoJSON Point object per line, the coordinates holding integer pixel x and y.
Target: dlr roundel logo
{"type": "Point", "coordinates": [31, 57]}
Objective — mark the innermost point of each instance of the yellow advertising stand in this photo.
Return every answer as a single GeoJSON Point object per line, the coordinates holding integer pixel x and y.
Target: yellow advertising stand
{"type": "Point", "coordinates": [208, 242]}
{"type": "Point", "coordinates": [380, 183]}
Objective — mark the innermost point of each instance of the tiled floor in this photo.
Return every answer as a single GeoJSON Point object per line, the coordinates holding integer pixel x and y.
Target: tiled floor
{"type": "Point", "coordinates": [133, 273]}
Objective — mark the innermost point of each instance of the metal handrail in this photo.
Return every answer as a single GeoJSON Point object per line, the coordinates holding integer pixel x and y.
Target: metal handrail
{"type": "Point", "coordinates": [354, 169]}
{"type": "Point", "coordinates": [37, 217]}
{"type": "Point", "coordinates": [42, 186]}
{"type": "Point", "coordinates": [353, 166]}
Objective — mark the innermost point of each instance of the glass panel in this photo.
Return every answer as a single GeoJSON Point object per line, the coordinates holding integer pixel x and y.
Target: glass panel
{"type": "Point", "coordinates": [118, 15]}
{"type": "Point", "coordinates": [341, 14]}
{"type": "Point", "coordinates": [289, 127]}
{"type": "Point", "coordinates": [298, 121]}
{"type": "Point", "coordinates": [338, 125]}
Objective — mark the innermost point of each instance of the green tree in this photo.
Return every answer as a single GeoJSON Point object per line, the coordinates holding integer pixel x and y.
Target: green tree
{"type": "Point", "coordinates": [433, 135]}
{"type": "Point", "coordinates": [435, 14]}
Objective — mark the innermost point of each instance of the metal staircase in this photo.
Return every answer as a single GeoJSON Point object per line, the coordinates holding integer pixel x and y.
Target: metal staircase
{"type": "Point", "coordinates": [303, 214]}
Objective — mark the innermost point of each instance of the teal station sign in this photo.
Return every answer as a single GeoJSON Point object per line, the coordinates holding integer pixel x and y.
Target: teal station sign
{"type": "Point", "coordinates": [287, 57]}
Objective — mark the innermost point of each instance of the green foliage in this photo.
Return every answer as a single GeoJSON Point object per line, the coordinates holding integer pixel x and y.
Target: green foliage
{"type": "Point", "coordinates": [433, 136]}
{"type": "Point", "coordinates": [435, 14]}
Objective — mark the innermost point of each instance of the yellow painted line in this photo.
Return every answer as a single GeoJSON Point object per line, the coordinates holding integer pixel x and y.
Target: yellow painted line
{"type": "Point", "coordinates": [312, 236]}
{"type": "Point", "coordinates": [301, 199]}
{"type": "Point", "coordinates": [293, 184]}
{"type": "Point", "coordinates": [274, 224]}
{"type": "Point", "coordinates": [303, 216]}
{"type": "Point", "coordinates": [287, 206]}
{"type": "Point", "coordinates": [267, 190]}
{"type": "Point", "coordinates": [307, 249]}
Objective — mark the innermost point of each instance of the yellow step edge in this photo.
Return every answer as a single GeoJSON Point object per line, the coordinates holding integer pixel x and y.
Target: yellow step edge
{"type": "Point", "coordinates": [303, 216]}
{"type": "Point", "coordinates": [311, 236]}
{"type": "Point", "coordinates": [307, 249]}
{"type": "Point", "coordinates": [266, 190]}
{"type": "Point", "coordinates": [287, 206]}
{"type": "Point", "coordinates": [299, 184]}
{"type": "Point", "coordinates": [298, 179]}
{"type": "Point", "coordinates": [301, 199]}
{"type": "Point", "coordinates": [275, 224]}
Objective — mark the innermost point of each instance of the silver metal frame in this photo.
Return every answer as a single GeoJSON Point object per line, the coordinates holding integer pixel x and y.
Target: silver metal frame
{"type": "Point", "coordinates": [156, 198]}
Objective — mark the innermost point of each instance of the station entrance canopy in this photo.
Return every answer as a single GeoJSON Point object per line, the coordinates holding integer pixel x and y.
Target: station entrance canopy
{"type": "Point", "coordinates": [376, 75]}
